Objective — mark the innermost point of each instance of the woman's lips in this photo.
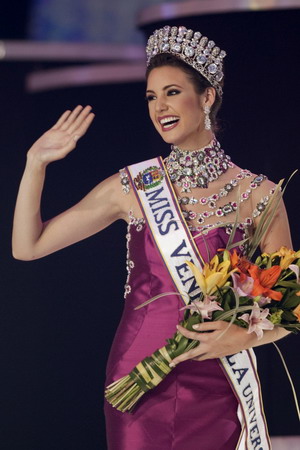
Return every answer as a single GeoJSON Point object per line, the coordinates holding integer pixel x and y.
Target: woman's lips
{"type": "Point", "coordinates": [167, 127]}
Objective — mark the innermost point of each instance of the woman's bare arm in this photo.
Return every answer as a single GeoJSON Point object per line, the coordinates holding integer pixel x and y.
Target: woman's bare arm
{"type": "Point", "coordinates": [34, 239]}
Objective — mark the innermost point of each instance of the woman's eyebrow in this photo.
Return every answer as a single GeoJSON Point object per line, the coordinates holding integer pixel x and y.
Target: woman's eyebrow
{"type": "Point", "coordinates": [166, 87]}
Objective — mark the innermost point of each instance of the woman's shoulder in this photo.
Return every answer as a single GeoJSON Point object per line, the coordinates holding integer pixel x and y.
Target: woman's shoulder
{"type": "Point", "coordinates": [259, 182]}
{"type": "Point", "coordinates": [142, 167]}
{"type": "Point", "coordinates": [262, 192]}
{"type": "Point", "coordinates": [262, 186]}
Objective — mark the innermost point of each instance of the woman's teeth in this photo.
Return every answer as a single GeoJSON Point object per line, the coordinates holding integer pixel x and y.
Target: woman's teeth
{"type": "Point", "coordinates": [168, 122]}
{"type": "Point", "coordinates": [168, 125]}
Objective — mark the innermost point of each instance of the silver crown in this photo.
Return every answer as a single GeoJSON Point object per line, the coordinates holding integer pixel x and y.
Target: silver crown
{"type": "Point", "coordinates": [193, 48]}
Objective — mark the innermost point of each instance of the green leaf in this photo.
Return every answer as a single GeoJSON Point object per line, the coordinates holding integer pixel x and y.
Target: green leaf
{"type": "Point", "coordinates": [291, 303]}
{"type": "Point", "coordinates": [216, 315]}
{"type": "Point", "coordinates": [289, 317]}
{"type": "Point", "coordinates": [192, 320]}
{"type": "Point", "coordinates": [290, 284]}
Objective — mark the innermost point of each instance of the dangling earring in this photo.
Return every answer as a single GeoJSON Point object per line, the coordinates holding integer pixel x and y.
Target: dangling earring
{"type": "Point", "coordinates": [207, 121]}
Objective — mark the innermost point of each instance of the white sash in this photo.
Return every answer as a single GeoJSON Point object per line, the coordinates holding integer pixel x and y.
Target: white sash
{"type": "Point", "coordinates": [169, 230]}
{"type": "Point", "coordinates": [242, 375]}
{"type": "Point", "coordinates": [175, 244]}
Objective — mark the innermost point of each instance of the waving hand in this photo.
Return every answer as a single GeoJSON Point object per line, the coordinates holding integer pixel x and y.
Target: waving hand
{"type": "Point", "coordinates": [61, 139]}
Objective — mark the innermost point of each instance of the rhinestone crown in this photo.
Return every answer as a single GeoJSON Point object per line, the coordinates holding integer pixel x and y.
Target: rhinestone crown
{"type": "Point", "coordinates": [193, 48]}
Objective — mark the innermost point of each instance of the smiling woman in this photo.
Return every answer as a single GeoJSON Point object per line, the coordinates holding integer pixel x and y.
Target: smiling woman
{"type": "Point", "coordinates": [199, 82]}
{"type": "Point", "coordinates": [177, 107]}
{"type": "Point", "coordinates": [176, 213]}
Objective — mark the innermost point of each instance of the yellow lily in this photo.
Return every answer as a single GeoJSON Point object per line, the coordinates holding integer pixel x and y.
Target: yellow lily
{"type": "Point", "coordinates": [287, 256]}
{"type": "Point", "coordinates": [296, 312]}
{"type": "Point", "coordinates": [212, 276]}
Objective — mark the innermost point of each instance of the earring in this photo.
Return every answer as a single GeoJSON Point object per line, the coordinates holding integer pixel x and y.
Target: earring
{"type": "Point", "coordinates": [207, 121]}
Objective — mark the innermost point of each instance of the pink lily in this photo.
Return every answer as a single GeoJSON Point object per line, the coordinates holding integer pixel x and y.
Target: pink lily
{"type": "Point", "coordinates": [257, 321]}
{"type": "Point", "coordinates": [242, 288]}
{"type": "Point", "coordinates": [294, 268]}
{"type": "Point", "coordinates": [263, 301]}
{"type": "Point", "coordinates": [205, 307]}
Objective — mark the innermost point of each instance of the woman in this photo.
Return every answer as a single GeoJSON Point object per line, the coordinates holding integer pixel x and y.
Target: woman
{"type": "Point", "coordinates": [195, 406]}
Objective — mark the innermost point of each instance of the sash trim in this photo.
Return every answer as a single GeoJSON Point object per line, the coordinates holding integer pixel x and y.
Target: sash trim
{"type": "Point", "coordinates": [254, 367]}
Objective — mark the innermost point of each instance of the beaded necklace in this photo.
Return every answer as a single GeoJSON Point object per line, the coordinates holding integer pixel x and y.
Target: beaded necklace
{"type": "Point", "coordinates": [197, 168]}
{"type": "Point", "coordinates": [225, 209]}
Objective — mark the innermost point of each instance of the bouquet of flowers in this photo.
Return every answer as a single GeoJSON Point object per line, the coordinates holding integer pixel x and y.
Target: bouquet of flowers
{"type": "Point", "coordinates": [256, 296]}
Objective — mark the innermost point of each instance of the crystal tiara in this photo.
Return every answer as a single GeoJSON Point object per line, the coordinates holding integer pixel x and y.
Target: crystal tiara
{"type": "Point", "coordinates": [192, 48]}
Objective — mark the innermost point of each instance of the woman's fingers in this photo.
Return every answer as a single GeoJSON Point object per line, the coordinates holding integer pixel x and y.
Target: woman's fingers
{"type": "Point", "coordinates": [196, 353]}
{"type": "Point", "coordinates": [76, 121]}
{"type": "Point", "coordinates": [79, 131]}
{"type": "Point", "coordinates": [62, 138]}
{"type": "Point", "coordinates": [75, 118]}
{"type": "Point", "coordinates": [210, 326]}
{"type": "Point", "coordinates": [206, 338]}
{"type": "Point", "coordinates": [61, 120]}
{"type": "Point", "coordinates": [81, 125]}
{"type": "Point", "coordinates": [233, 340]}
{"type": "Point", "coordinates": [67, 118]}
{"type": "Point", "coordinates": [188, 334]}
{"type": "Point", "coordinates": [71, 118]}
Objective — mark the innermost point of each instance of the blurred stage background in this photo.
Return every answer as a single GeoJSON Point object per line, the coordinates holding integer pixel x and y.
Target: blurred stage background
{"type": "Point", "coordinates": [58, 315]}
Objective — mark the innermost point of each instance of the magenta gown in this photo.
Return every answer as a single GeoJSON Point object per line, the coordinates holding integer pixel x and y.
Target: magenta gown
{"type": "Point", "coordinates": [194, 408]}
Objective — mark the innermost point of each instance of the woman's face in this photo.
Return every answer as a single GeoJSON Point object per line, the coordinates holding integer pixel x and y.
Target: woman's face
{"type": "Point", "coordinates": [175, 108]}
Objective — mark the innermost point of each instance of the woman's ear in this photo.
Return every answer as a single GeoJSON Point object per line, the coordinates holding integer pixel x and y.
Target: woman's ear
{"type": "Point", "coordinates": [209, 96]}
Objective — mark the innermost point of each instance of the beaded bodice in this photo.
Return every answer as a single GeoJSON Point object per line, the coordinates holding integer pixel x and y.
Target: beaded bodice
{"type": "Point", "coordinates": [203, 213]}
{"type": "Point", "coordinates": [207, 216]}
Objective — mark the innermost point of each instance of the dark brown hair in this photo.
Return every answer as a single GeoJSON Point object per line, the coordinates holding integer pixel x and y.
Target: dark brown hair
{"type": "Point", "coordinates": [200, 83]}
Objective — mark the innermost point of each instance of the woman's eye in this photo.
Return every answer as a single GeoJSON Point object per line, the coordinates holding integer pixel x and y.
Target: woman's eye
{"type": "Point", "coordinates": [150, 97]}
{"type": "Point", "coordinates": [173, 92]}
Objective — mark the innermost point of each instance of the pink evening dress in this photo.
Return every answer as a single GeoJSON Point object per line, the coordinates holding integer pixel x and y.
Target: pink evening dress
{"type": "Point", "coordinates": [194, 408]}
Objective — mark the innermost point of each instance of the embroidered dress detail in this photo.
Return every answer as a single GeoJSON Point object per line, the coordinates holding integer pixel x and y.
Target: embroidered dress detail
{"type": "Point", "coordinates": [223, 192]}
{"type": "Point", "coordinates": [261, 205]}
{"type": "Point", "coordinates": [138, 223]}
{"type": "Point", "coordinates": [124, 181]}
{"type": "Point", "coordinates": [226, 209]}
{"type": "Point", "coordinates": [129, 263]}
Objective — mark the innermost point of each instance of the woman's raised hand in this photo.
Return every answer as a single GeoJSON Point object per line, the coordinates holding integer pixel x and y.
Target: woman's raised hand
{"type": "Point", "coordinates": [61, 139]}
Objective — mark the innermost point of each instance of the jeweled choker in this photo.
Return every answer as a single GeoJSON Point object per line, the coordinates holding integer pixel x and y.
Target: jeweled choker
{"type": "Point", "coordinates": [197, 168]}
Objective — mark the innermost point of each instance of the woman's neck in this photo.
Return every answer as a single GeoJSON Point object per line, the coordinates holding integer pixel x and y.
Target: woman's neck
{"type": "Point", "coordinates": [203, 140]}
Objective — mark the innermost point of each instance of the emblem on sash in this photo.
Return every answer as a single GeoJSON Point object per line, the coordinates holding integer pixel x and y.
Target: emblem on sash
{"type": "Point", "coordinates": [149, 178]}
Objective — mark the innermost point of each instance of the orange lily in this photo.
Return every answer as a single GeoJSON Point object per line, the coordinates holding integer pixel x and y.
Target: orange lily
{"type": "Point", "coordinates": [234, 258]}
{"type": "Point", "coordinates": [241, 264]}
{"type": "Point", "coordinates": [264, 279]}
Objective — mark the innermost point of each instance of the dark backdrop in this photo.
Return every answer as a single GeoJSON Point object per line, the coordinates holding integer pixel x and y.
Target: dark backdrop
{"type": "Point", "coordinates": [59, 314]}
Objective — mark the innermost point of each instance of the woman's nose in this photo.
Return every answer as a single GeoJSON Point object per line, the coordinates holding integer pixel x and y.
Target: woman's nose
{"type": "Point", "coordinates": [160, 104]}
